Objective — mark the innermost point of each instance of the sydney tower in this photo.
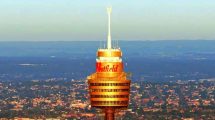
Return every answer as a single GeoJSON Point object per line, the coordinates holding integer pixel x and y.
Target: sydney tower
{"type": "Point", "coordinates": [108, 87]}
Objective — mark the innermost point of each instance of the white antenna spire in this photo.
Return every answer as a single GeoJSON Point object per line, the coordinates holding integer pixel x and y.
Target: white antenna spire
{"type": "Point", "coordinates": [109, 9]}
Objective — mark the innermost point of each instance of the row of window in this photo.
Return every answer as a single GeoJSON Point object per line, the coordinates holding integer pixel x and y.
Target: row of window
{"type": "Point", "coordinates": [110, 102]}
{"type": "Point", "coordinates": [109, 84]}
{"type": "Point", "coordinates": [109, 96]}
{"type": "Point", "coordinates": [109, 90]}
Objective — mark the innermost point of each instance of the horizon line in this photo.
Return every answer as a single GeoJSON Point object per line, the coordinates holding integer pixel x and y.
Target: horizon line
{"type": "Point", "coordinates": [104, 41]}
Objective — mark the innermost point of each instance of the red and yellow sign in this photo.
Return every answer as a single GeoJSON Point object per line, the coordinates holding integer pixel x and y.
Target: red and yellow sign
{"type": "Point", "coordinates": [109, 67]}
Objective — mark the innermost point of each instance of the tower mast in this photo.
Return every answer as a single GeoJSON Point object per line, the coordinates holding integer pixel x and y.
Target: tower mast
{"type": "Point", "coordinates": [109, 9]}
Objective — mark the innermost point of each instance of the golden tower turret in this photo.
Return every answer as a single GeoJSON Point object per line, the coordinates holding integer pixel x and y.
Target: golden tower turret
{"type": "Point", "coordinates": [108, 87]}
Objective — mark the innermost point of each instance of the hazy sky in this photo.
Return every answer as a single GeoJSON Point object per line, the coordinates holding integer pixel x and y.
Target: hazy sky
{"type": "Point", "coordinates": [47, 20]}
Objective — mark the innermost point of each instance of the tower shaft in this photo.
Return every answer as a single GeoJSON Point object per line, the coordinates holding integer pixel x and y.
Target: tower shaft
{"type": "Point", "coordinates": [109, 113]}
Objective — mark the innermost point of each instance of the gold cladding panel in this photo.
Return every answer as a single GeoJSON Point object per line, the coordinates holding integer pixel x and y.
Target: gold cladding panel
{"type": "Point", "coordinates": [109, 93]}
{"type": "Point", "coordinates": [109, 99]}
{"type": "Point", "coordinates": [111, 105]}
{"type": "Point", "coordinates": [109, 54]}
{"type": "Point", "coordinates": [107, 74]}
{"type": "Point", "coordinates": [109, 87]}
{"type": "Point", "coordinates": [108, 81]}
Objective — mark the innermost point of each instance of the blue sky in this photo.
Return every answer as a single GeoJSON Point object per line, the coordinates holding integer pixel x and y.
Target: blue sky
{"type": "Point", "coordinates": [68, 20]}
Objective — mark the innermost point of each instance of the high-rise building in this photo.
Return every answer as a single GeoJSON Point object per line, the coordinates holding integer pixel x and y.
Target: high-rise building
{"type": "Point", "coordinates": [108, 87]}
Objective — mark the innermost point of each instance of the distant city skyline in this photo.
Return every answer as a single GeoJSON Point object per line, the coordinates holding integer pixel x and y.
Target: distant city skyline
{"type": "Point", "coordinates": [66, 20]}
